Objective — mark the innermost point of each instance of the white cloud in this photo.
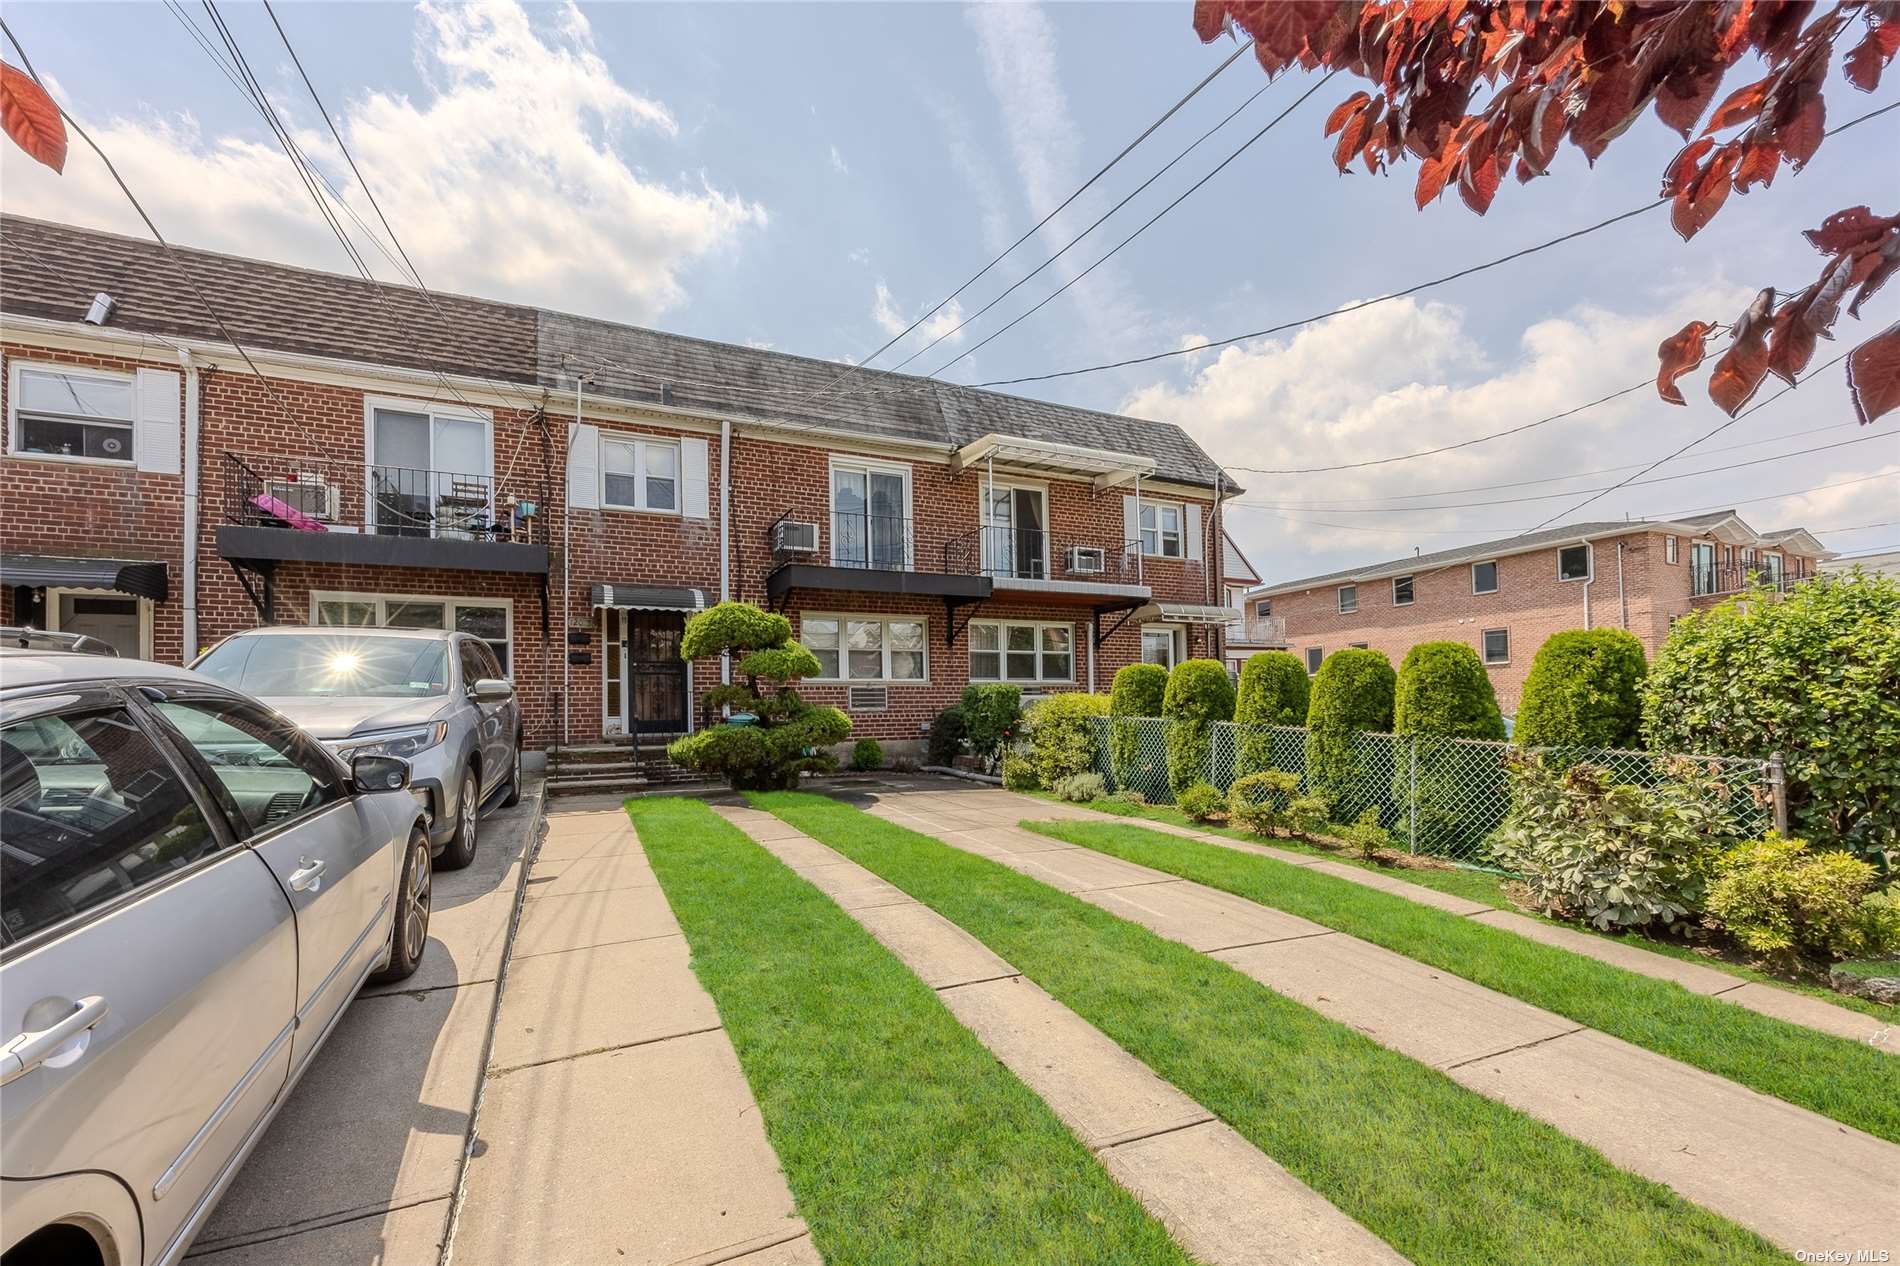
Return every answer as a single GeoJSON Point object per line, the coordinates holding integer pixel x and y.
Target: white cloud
{"type": "Point", "coordinates": [861, 255]}
{"type": "Point", "coordinates": [837, 162]}
{"type": "Point", "coordinates": [507, 176]}
{"type": "Point", "coordinates": [1405, 376]}
{"type": "Point", "coordinates": [887, 317]}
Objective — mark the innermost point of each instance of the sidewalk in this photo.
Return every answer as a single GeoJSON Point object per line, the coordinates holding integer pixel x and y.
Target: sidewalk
{"type": "Point", "coordinates": [616, 1125]}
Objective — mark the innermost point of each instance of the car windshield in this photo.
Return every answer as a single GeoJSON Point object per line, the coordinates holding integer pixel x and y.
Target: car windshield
{"type": "Point", "coordinates": [340, 664]}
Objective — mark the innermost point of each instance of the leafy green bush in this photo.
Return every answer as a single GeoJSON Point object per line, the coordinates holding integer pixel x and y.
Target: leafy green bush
{"type": "Point", "coordinates": [991, 715]}
{"type": "Point", "coordinates": [1584, 690]}
{"type": "Point", "coordinates": [789, 735]}
{"type": "Point", "coordinates": [1274, 690]}
{"type": "Point", "coordinates": [1815, 676]}
{"type": "Point", "coordinates": [1019, 773]}
{"type": "Point", "coordinates": [868, 753]}
{"type": "Point", "coordinates": [947, 731]}
{"type": "Point", "coordinates": [1062, 735]}
{"type": "Point", "coordinates": [1443, 689]}
{"type": "Point", "coordinates": [1352, 695]}
{"type": "Point", "coordinates": [1081, 788]}
{"type": "Point", "coordinates": [1366, 835]}
{"type": "Point", "coordinates": [1199, 693]}
{"type": "Point", "coordinates": [1138, 691]}
{"type": "Point", "coordinates": [1201, 801]}
{"type": "Point", "coordinates": [1128, 795]}
{"type": "Point", "coordinates": [1781, 900]}
{"type": "Point", "coordinates": [1307, 816]}
{"type": "Point", "coordinates": [1443, 695]}
{"type": "Point", "coordinates": [1258, 802]}
{"type": "Point", "coordinates": [1615, 854]}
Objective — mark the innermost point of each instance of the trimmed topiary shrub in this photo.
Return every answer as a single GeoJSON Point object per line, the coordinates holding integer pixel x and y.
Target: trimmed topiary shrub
{"type": "Point", "coordinates": [1199, 693]}
{"type": "Point", "coordinates": [991, 715]}
{"type": "Point", "coordinates": [1815, 676]}
{"type": "Point", "coordinates": [1201, 801]}
{"type": "Point", "coordinates": [1444, 694]}
{"type": "Point", "coordinates": [1352, 695]}
{"type": "Point", "coordinates": [1584, 690]}
{"type": "Point", "coordinates": [1138, 691]}
{"type": "Point", "coordinates": [1783, 901]}
{"type": "Point", "coordinates": [1081, 788]}
{"type": "Point", "coordinates": [946, 737]}
{"type": "Point", "coordinates": [1274, 690]}
{"type": "Point", "coordinates": [1307, 816]}
{"type": "Point", "coordinates": [1258, 802]}
{"type": "Point", "coordinates": [867, 754]}
{"type": "Point", "coordinates": [1366, 836]}
{"type": "Point", "coordinates": [1062, 735]}
{"type": "Point", "coordinates": [1442, 689]}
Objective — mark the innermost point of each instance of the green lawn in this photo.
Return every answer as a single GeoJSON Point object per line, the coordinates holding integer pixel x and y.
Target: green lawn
{"type": "Point", "coordinates": [903, 1139]}
{"type": "Point", "coordinates": [1446, 1176]}
{"type": "Point", "coordinates": [1488, 887]}
{"type": "Point", "coordinates": [1847, 1081]}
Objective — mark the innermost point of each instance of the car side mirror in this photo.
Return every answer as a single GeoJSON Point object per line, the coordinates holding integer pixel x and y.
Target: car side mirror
{"type": "Point", "coordinates": [379, 773]}
{"type": "Point", "coordinates": [492, 690]}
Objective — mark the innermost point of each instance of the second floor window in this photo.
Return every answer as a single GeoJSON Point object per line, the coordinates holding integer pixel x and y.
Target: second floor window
{"type": "Point", "coordinates": [1161, 531]}
{"type": "Point", "coordinates": [1484, 577]}
{"type": "Point", "coordinates": [1348, 599]}
{"type": "Point", "coordinates": [1401, 591]}
{"type": "Point", "coordinates": [869, 527]}
{"type": "Point", "coordinates": [640, 475]}
{"type": "Point", "coordinates": [1573, 562]}
{"type": "Point", "coordinates": [65, 413]}
{"type": "Point", "coordinates": [428, 473]}
{"type": "Point", "coordinates": [1701, 567]}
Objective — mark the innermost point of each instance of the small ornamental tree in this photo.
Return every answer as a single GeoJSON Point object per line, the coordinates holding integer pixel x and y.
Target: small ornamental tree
{"type": "Point", "coordinates": [1199, 693]}
{"type": "Point", "coordinates": [1585, 689]}
{"type": "Point", "coordinates": [1443, 695]}
{"type": "Point", "coordinates": [1274, 690]}
{"type": "Point", "coordinates": [1137, 691]}
{"type": "Point", "coordinates": [1814, 676]}
{"type": "Point", "coordinates": [787, 735]}
{"type": "Point", "coordinates": [1352, 695]}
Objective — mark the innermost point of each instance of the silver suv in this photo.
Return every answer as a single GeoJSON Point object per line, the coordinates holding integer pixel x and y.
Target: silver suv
{"type": "Point", "coordinates": [191, 892]}
{"type": "Point", "coordinates": [436, 699]}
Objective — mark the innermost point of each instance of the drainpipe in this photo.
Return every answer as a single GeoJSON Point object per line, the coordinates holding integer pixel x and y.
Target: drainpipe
{"type": "Point", "coordinates": [567, 573]}
{"type": "Point", "coordinates": [1586, 595]}
{"type": "Point", "coordinates": [189, 645]}
{"type": "Point", "coordinates": [986, 520]}
{"type": "Point", "coordinates": [1137, 528]}
{"type": "Point", "coordinates": [725, 536]}
{"type": "Point", "coordinates": [1622, 596]}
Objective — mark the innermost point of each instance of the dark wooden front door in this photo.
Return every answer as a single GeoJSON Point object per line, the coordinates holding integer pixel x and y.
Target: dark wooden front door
{"type": "Point", "coordinates": [656, 676]}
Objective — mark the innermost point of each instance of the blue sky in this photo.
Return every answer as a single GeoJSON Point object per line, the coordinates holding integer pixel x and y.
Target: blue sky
{"type": "Point", "coordinates": [811, 177]}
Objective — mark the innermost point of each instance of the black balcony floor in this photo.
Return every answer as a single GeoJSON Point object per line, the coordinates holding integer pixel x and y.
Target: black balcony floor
{"type": "Point", "coordinates": [274, 544]}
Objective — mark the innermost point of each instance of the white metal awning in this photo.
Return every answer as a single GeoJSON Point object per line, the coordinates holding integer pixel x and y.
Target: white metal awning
{"type": "Point", "coordinates": [649, 598]}
{"type": "Point", "coordinates": [1108, 468]}
{"type": "Point", "coordinates": [1184, 613]}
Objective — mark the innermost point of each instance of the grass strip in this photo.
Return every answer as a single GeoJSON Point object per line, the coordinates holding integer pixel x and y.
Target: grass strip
{"type": "Point", "coordinates": [1444, 1175]}
{"type": "Point", "coordinates": [1488, 887]}
{"type": "Point", "coordinates": [1848, 1081]}
{"type": "Point", "coordinates": [902, 1137]}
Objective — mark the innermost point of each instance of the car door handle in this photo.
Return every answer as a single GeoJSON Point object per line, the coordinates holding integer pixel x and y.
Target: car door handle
{"type": "Point", "coordinates": [308, 877]}
{"type": "Point", "coordinates": [29, 1050]}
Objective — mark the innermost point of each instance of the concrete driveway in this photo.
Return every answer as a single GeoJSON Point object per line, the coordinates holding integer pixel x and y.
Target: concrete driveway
{"type": "Point", "coordinates": [360, 1165]}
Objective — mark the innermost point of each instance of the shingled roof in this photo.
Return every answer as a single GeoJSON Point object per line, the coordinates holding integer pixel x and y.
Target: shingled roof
{"type": "Point", "coordinates": [53, 270]}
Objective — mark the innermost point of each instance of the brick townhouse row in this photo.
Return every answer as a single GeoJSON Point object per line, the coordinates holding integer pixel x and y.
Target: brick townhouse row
{"type": "Point", "coordinates": [308, 448]}
{"type": "Point", "coordinates": [1503, 598]}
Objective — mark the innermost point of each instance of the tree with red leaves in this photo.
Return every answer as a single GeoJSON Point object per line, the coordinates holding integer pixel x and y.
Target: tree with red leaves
{"type": "Point", "coordinates": [1587, 71]}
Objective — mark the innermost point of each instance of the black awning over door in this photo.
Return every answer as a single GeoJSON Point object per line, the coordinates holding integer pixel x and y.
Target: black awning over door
{"type": "Point", "coordinates": [138, 577]}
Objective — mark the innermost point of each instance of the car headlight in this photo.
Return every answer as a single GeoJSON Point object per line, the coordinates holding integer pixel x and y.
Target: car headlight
{"type": "Point", "coordinates": [403, 743]}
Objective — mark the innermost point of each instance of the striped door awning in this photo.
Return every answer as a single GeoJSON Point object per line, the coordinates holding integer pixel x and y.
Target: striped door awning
{"type": "Point", "coordinates": [649, 598]}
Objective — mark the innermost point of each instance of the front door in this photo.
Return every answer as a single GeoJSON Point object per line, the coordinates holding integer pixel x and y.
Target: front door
{"type": "Point", "coordinates": [653, 677]}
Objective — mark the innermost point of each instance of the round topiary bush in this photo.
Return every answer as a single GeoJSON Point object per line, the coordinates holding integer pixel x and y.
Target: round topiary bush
{"type": "Point", "coordinates": [1584, 690]}
{"type": "Point", "coordinates": [945, 743]}
{"type": "Point", "coordinates": [1442, 689]}
{"type": "Point", "coordinates": [1352, 695]}
{"type": "Point", "coordinates": [1201, 801]}
{"type": "Point", "coordinates": [1199, 693]}
{"type": "Point", "coordinates": [1274, 690]}
{"type": "Point", "coordinates": [1138, 691]}
{"type": "Point", "coordinates": [867, 754]}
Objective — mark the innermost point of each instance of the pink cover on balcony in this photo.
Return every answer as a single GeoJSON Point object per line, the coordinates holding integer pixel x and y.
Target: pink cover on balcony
{"type": "Point", "coordinates": [289, 514]}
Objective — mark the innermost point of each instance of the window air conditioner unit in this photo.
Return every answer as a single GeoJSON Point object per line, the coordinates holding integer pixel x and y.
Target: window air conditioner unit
{"type": "Point", "coordinates": [791, 537]}
{"type": "Point", "coordinates": [308, 494]}
{"type": "Point", "coordinates": [1087, 560]}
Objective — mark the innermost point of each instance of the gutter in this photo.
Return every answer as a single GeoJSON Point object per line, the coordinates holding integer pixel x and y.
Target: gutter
{"type": "Point", "coordinates": [189, 582]}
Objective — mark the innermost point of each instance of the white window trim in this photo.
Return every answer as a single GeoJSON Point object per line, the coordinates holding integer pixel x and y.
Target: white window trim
{"type": "Point", "coordinates": [983, 515]}
{"type": "Point", "coordinates": [1497, 577]}
{"type": "Point", "coordinates": [1339, 600]}
{"type": "Point", "coordinates": [1180, 527]}
{"type": "Point", "coordinates": [1395, 591]}
{"type": "Point", "coordinates": [1589, 564]}
{"type": "Point", "coordinates": [640, 443]}
{"type": "Point", "coordinates": [1485, 656]}
{"type": "Point", "coordinates": [145, 607]}
{"type": "Point", "coordinates": [844, 620]}
{"type": "Point", "coordinates": [1002, 651]}
{"type": "Point", "coordinates": [1174, 632]}
{"type": "Point", "coordinates": [404, 404]}
{"type": "Point", "coordinates": [383, 599]}
{"type": "Point", "coordinates": [869, 465]}
{"type": "Point", "coordinates": [1671, 555]}
{"type": "Point", "coordinates": [129, 461]}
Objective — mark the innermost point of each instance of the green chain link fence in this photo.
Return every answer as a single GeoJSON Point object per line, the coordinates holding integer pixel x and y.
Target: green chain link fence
{"type": "Point", "coordinates": [1436, 795]}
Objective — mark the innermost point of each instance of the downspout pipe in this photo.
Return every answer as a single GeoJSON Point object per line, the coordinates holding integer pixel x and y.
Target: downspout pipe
{"type": "Point", "coordinates": [189, 647]}
{"type": "Point", "coordinates": [1622, 594]}
{"type": "Point", "coordinates": [725, 535]}
{"type": "Point", "coordinates": [567, 573]}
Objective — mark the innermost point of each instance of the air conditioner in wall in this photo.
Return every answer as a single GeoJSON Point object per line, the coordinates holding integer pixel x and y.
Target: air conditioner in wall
{"type": "Point", "coordinates": [308, 494]}
{"type": "Point", "coordinates": [1087, 560]}
{"type": "Point", "coordinates": [792, 537]}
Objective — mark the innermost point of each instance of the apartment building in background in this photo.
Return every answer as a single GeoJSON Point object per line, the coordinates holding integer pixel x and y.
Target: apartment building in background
{"type": "Point", "coordinates": [1503, 598]}
{"type": "Point", "coordinates": [569, 489]}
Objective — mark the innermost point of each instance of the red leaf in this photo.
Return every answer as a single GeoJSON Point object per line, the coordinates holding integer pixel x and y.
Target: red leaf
{"type": "Point", "coordinates": [1801, 135]}
{"type": "Point", "coordinates": [1685, 94]}
{"type": "Point", "coordinates": [1791, 344]}
{"type": "Point", "coordinates": [1873, 375]}
{"type": "Point", "coordinates": [1210, 19]}
{"type": "Point", "coordinates": [1844, 230]}
{"type": "Point", "coordinates": [1680, 353]}
{"type": "Point", "coordinates": [1281, 25]}
{"type": "Point", "coordinates": [1345, 110]}
{"type": "Point", "coordinates": [1525, 172]}
{"type": "Point", "coordinates": [31, 118]}
{"type": "Point", "coordinates": [1353, 139]}
{"type": "Point", "coordinates": [1889, 264]}
{"type": "Point", "coordinates": [1432, 174]}
{"type": "Point", "coordinates": [1742, 105]}
{"type": "Point", "coordinates": [1759, 163]}
{"type": "Point", "coordinates": [1681, 172]}
{"type": "Point", "coordinates": [1739, 373]}
{"type": "Point", "coordinates": [1864, 64]}
{"type": "Point", "coordinates": [1697, 203]}
{"type": "Point", "coordinates": [1478, 183]}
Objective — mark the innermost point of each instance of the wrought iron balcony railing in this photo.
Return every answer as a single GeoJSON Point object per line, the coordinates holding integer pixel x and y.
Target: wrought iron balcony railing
{"type": "Point", "coordinates": [328, 495]}
{"type": "Point", "coordinates": [1717, 579]}
{"type": "Point", "coordinates": [1020, 553]}
{"type": "Point", "coordinates": [877, 542]}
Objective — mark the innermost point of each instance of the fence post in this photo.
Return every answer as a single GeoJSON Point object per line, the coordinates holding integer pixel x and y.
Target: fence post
{"type": "Point", "coordinates": [1778, 788]}
{"type": "Point", "coordinates": [1412, 797]}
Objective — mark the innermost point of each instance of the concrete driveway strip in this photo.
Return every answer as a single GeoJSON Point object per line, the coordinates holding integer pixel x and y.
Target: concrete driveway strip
{"type": "Point", "coordinates": [617, 1125]}
{"type": "Point", "coordinates": [1222, 1199]}
{"type": "Point", "coordinates": [1815, 1178]}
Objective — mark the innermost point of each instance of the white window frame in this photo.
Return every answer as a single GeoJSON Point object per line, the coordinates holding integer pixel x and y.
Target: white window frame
{"type": "Point", "coordinates": [1497, 576]}
{"type": "Point", "coordinates": [985, 509]}
{"type": "Point", "coordinates": [1669, 550]}
{"type": "Point", "coordinates": [14, 369]}
{"type": "Point", "coordinates": [1312, 669]}
{"type": "Point", "coordinates": [1410, 580]}
{"type": "Point", "coordinates": [868, 466]}
{"type": "Point", "coordinates": [55, 592]}
{"type": "Point", "coordinates": [640, 444]}
{"type": "Point", "coordinates": [433, 411]}
{"type": "Point", "coordinates": [1589, 564]}
{"type": "Point", "coordinates": [448, 604]}
{"type": "Point", "coordinates": [1339, 599]}
{"type": "Point", "coordinates": [1484, 650]}
{"type": "Point", "coordinates": [1174, 633]}
{"type": "Point", "coordinates": [845, 620]}
{"type": "Point", "coordinates": [1161, 534]}
{"type": "Point", "coordinates": [1002, 652]}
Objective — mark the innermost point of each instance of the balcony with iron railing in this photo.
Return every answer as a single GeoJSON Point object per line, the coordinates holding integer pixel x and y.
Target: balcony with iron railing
{"type": "Point", "coordinates": [1033, 558]}
{"type": "Point", "coordinates": [879, 542]}
{"type": "Point", "coordinates": [1718, 580]}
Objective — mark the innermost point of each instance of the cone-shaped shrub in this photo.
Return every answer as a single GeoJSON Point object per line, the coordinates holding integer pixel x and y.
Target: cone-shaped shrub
{"type": "Point", "coordinates": [1352, 695]}
{"type": "Point", "coordinates": [1444, 695]}
{"type": "Point", "coordinates": [1137, 691]}
{"type": "Point", "coordinates": [1585, 689]}
{"type": "Point", "coordinates": [1274, 690]}
{"type": "Point", "coordinates": [1199, 693]}
{"type": "Point", "coordinates": [1443, 689]}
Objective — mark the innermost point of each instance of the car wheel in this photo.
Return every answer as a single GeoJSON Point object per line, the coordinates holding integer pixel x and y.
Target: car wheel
{"type": "Point", "coordinates": [513, 797]}
{"type": "Point", "coordinates": [468, 812]}
{"type": "Point", "coordinates": [410, 934]}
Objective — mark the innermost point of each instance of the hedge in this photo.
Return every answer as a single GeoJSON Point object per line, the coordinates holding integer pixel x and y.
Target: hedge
{"type": "Point", "coordinates": [1199, 693]}
{"type": "Point", "coordinates": [1444, 694]}
{"type": "Point", "coordinates": [1352, 694]}
{"type": "Point", "coordinates": [1584, 690]}
{"type": "Point", "coordinates": [1443, 689]}
{"type": "Point", "coordinates": [1274, 690]}
{"type": "Point", "coordinates": [1137, 691]}
{"type": "Point", "coordinates": [1062, 735]}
